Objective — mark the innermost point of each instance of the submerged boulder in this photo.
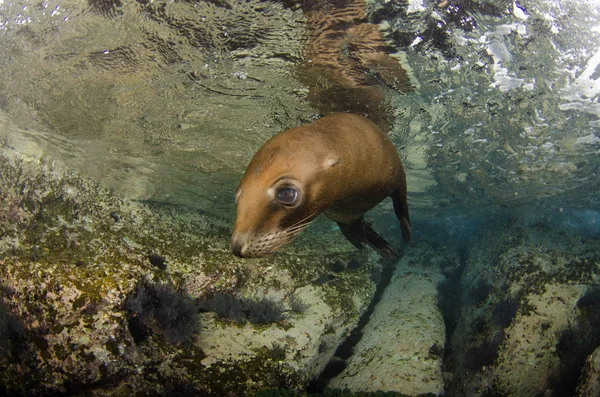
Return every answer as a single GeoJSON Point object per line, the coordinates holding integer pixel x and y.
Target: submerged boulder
{"type": "Point", "coordinates": [402, 345]}
{"type": "Point", "coordinates": [589, 384]}
{"type": "Point", "coordinates": [529, 313]}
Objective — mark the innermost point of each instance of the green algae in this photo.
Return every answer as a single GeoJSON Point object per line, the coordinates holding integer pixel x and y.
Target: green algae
{"type": "Point", "coordinates": [333, 393]}
{"type": "Point", "coordinates": [249, 376]}
{"type": "Point", "coordinates": [342, 292]}
{"type": "Point", "coordinates": [536, 276]}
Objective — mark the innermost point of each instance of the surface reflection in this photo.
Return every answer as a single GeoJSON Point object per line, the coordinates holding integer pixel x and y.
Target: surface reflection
{"type": "Point", "coordinates": [488, 103]}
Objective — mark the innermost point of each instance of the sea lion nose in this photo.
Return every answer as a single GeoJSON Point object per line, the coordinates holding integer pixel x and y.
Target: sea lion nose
{"type": "Point", "coordinates": [237, 244]}
{"type": "Point", "coordinates": [237, 250]}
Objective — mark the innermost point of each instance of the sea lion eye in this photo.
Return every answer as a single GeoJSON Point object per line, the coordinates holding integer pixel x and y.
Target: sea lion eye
{"type": "Point", "coordinates": [287, 195]}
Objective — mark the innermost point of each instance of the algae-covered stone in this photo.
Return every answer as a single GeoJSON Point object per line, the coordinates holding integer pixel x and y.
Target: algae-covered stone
{"type": "Point", "coordinates": [73, 256]}
{"type": "Point", "coordinates": [523, 328]}
{"type": "Point", "coordinates": [589, 384]}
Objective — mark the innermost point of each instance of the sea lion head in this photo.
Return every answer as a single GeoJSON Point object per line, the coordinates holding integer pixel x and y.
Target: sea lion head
{"type": "Point", "coordinates": [279, 196]}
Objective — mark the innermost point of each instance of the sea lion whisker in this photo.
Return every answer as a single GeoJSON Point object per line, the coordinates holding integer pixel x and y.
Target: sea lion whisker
{"type": "Point", "coordinates": [285, 240]}
{"type": "Point", "coordinates": [307, 220]}
{"type": "Point", "coordinates": [297, 229]}
{"type": "Point", "coordinates": [301, 221]}
{"type": "Point", "coordinates": [289, 235]}
{"type": "Point", "coordinates": [294, 228]}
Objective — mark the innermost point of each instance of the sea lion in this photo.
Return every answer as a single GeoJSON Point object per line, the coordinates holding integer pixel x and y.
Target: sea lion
{"type": "Point", "coordinates": [342, 165]}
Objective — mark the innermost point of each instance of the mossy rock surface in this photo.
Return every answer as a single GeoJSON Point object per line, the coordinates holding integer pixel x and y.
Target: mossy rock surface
{"type": "Point", "coordinates": [72, 253]}
{"type": "Point", "coordinates": [508, 337]}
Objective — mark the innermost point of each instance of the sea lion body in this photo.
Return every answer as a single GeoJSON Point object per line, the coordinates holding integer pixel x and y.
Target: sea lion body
{"type": "Point", "coordinates": [342, 165]}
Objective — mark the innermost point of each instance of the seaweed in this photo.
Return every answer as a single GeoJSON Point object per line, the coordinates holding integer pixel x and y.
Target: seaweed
{"type": "Point", "coordinates": [449, 302]}
{"type": "Point", "coordinates": [138, 329]}
{"type": "Point", "coordinates": [493, 392]}
{"type": "Point", "coordinates": [480, 292]}
{"type": "Point", "coordinates": [12, 333]}
{"type": "Point", "coordinates": [338, 266]}
{"type": "Point", "coordinates": [590, 298]}
{"type": "Point", "coordinates": [436, 351]}
{"type": "Point", "coordinates": [157, 260]}
{"type": "Point", "coordinates": [277, 351]}
{"type": "Point", "coordinates": [485, 353]}
{"type": "Point", "coordinates": [225, 305]}
{"type": "Point", "coordinates": [577, 341]}
{"type": "Point", "coordinates": [255, 310]}
{"type": "Point", "coordinates": [589, 307]}
{"type": "Point", "coordinates": [297, 304]}
{"type": "Point", "coordinates": [180, 388]}
{"type": "Point", "coordinates": [353, 264]}
{"type": "Point", "coordinates": [505, 311]}
{"type": "Point", "coordinates": [332, 393]}
{"type": "Point", "coordinates": [479, 326]}
{"type": "Point", "coordinates": [573, 347]}
{"type": "Point", "coordinates": [264, 310]}
{"type": "Point", "coordinates": [106, 8]}
{"type": "Point", "coordinates": [323, 346]}
{"type": "Point", "coordinates": [569, 339]}
{"type": "Point", "coordinates": [158, 306]}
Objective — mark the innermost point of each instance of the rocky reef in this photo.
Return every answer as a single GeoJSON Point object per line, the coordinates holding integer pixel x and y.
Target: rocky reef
{"type": "Point", "coordinates": [402, 345]}
{"type": "Point", "coordinates": [105, 296]}
{"type": "Point", "coordinates": [526, 309]}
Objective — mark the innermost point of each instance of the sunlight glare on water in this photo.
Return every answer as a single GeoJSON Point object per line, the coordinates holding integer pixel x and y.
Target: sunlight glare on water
{"type": "Point", "coordinates": [509, 99]}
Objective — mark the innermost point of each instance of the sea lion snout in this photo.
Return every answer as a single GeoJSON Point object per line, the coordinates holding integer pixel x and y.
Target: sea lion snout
{"type": "Point", "coordinates": [257, 233]}
{"type": "Point", "coordinates": [255, 245]}
{"type": "Point", "coordinates": [238, 247]}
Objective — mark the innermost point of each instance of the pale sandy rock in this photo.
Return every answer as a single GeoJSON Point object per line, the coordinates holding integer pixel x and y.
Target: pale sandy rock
{"type": "Point", "coordinates": [402, 345]}
{"type": "Point", "coordinates": [302, 341]}
{"type": "Point", "coordinates": [527, 360]}
{"type": "Point", "coordinates": [68, 288]}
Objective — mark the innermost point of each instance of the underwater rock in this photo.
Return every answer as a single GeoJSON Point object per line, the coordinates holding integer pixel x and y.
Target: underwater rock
{"type": "Point", "coordinates": [533, 332]}
{"type": "Point", "coordinates": [589, 385]}
{"type": "Point", "coordinates": [91, 325]}
{"type": "Point", "coordinates": [402, 345]}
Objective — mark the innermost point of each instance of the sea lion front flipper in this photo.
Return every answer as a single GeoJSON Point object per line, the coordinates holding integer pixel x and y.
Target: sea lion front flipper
{"type": "Point", "coordinates": [350, 235]}
{"type": "Point", "coordinates": [401, 210]}
{"type": "Point", "coordinates": [360, 232]}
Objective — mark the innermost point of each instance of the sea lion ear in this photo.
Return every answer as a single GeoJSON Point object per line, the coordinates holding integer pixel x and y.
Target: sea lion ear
{"type": "Point", "coordinates": [330, 162]}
